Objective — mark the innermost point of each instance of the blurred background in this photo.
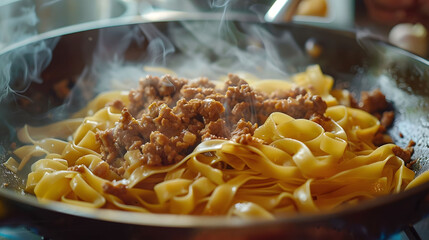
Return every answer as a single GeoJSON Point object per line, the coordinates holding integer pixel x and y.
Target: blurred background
{"type": "Point", "coordinates": [22, 19]}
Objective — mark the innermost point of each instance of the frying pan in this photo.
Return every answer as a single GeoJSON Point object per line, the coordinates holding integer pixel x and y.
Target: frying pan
{"type": "Point", "coordinates": [358, 63]}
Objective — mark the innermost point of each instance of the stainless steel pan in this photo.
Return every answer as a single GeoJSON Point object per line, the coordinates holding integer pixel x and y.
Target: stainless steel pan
{"type": "Point", "coordinates": [355, 63]}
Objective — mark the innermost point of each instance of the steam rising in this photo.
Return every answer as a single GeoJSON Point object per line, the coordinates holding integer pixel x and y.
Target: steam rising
{"type": "Point", "coordinates": [191, 49]}
{"type": "Point", "coordinates": [16, 24]}
{"type": "Point", "coordinates": [218, 52]}
{"type": "Point", "coordinates": [219, 3]}
{"type": "Point", "coordinates": [22, 66]}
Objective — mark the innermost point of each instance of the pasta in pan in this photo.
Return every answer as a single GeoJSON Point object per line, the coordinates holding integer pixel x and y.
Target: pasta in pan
{"type": "Point", "coordinates": [286, 165]}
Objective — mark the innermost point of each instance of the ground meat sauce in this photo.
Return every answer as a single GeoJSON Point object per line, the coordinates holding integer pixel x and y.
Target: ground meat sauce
{"type": "Point", "coordinates": [168, 117]}
{"type": "Point", "coordinates": [375, 103]}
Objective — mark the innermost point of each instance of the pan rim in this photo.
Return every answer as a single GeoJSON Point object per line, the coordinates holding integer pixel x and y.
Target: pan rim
{"type": "Point", "coordinates": [181, 221]}
{"type": "Point", "coordinates": [189, 221]}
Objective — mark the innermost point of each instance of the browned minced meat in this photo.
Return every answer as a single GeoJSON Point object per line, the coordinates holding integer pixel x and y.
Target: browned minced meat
{"type": "Point", "coordinates": [243, 133]}
{"type": "Point", "coordinates": [375, 103]}
{"type": "Point", "coordinates": [154, 89]}
{"type": "Point", "coordinates": [293, 93]}
{"type": "Point", "coordinates": [168, 117]}
{"type": "Point", "coordinates": [117, 189]}
{"type": "Point", "coordinates": [404, 154]}
{"type": "Point", "coordinates": [387, 118]}
{"type": "Point", "coordinates": [118, 104]}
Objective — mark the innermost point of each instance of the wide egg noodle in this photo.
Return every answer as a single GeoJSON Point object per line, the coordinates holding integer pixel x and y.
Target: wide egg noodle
{"type": "Point", "coordinates": [301, 166]}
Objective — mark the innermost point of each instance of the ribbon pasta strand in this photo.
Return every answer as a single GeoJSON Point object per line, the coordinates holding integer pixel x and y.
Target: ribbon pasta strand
{"type": "Point", "coordinates": [299, 165]}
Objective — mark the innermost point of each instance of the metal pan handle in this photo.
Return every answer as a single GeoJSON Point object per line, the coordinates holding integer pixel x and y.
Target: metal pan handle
{"type": "Point", "coordinates": [282, 11]}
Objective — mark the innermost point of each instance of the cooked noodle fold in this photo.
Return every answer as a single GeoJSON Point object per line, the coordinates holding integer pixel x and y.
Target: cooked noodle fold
{"type": "Point", "coordinates": [301, 167]}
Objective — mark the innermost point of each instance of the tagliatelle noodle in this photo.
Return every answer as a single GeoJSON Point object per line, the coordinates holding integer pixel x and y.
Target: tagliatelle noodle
{"type": "Point", "coordinates": [302, 167]}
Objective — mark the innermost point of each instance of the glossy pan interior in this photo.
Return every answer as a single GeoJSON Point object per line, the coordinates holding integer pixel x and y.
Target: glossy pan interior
{"type": "Point", "coordinates": [358, 64]}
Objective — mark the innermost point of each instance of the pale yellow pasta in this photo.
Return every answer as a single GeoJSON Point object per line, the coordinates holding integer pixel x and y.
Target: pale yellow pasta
{"type": "Point", "coordinates": [301, 167]}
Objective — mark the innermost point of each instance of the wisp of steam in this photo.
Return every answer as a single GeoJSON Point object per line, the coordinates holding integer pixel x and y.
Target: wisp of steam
{"type": "Point", "coordinates": [19, 68]}
{"type": "Point", "coordinates": [22, 66]}
{"type": "Point", "coordinates": [191, 49]}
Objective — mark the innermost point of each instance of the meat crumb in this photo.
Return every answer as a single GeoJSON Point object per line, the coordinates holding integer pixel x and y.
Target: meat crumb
{"type": "Point", "coordinates": [116, 190]}
{"type": "Point", "coordinates": [404, 154]}
{"type": "Point", "coordinates": [243, 133]}
{"type": "Point", "coordinates": [411, 163]}
{"type": "Point", "coordinates": [168, 117]}
{"type": "Point", "coordinates": [118, 104]}
{"type": "Point", "coordinates": [387, 118]}
{"type": "Point", "coordinates": [373, 102]}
